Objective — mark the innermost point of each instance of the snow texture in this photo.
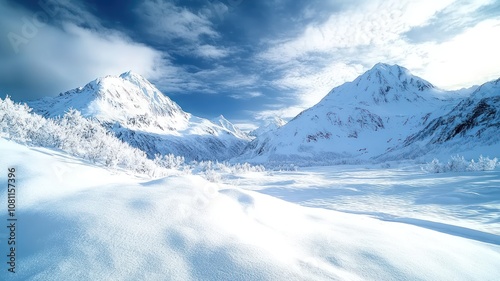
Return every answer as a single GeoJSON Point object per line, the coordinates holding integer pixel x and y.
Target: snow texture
{"type": "Point", "coordinates": [87, 223]}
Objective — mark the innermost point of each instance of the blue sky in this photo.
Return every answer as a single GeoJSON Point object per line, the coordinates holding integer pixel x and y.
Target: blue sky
{"type": "Point", "coordinates": [247, 60]}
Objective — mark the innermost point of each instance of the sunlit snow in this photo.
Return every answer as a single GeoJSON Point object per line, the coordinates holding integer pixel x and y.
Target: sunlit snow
{"type": "Point", "coordinates": [78, 221]}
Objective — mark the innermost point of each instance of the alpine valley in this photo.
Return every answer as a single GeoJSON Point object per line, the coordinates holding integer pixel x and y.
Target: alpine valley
{"type": "Point", "coordinates": [385, 114]}
{"type": "Point", "coordinates": [97, 180]}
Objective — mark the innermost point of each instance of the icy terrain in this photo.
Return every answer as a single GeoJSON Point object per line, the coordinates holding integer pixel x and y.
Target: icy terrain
{"type": "Point", "coordinates": [78, 221]}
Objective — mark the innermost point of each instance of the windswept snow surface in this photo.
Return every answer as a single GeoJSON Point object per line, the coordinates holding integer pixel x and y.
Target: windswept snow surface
{"type": "Point", "coordinates": [465, 204]}
{"type": "Point", "coordinates": [82, 222]}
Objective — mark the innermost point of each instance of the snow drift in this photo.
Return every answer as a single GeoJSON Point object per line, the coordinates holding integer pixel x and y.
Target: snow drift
{"type": "Point", "coordinates": [86, 223]}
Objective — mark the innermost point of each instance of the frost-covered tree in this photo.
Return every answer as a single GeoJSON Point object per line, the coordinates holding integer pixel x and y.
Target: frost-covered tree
{"type": "Point", "coordinates": [74, 134]}
{"type": "Point", "coordinates": [458, 163]}
{"type": "Point", "coordinates": [169, 161]}
{"type": "Point", "coordinates": [88, 139]}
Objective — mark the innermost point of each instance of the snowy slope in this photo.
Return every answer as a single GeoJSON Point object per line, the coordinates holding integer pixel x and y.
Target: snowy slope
{"type": "Point", "coordinates": [227, 125]}
{"type": "Point", "coordinates": [100, 225]}
{"type": "Point", "coordinates": [357, 120]}
{"type": "Point", "coordinates": [138, 113]}
{"type": "Point", "coordinates": [270, 124]}
{"type": "Point", "coordinates": [129, 100]}
{"type": "Point", "coordinates": [472, 125]}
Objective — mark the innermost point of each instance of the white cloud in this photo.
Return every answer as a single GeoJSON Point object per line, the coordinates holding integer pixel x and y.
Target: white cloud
{"type": "Point", "coordinates": [284, 112]}
{"type": "Point", "coordinates": [246, 95]}
{"type": "Point", "coordinates": [313, 83]}
{"type": "Point", "coordinates": [469, 58]}
{"type": "Point", "coordinates": [372, 23]}
{"type": "Point", "coordinates": [337, 50]}
{"type": "Point", "coordinates": [169, 21]}
{"type": "Point", "coordinates": [215, 9]}
{"type": "Point", "coordinates": [57, 59]}
{"type": "Point", "coordinates": [254, 94]}
{"type": "Point", "coordinates": [165, 21]}
{"type": "Point", "coordinates": [210, 51]}
{"type": "Point", "coordinates": [108, 52]}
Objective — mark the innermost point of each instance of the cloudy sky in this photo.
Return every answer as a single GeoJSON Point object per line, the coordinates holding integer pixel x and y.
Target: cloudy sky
{"type": "Point", "coordinates": [245, 59]}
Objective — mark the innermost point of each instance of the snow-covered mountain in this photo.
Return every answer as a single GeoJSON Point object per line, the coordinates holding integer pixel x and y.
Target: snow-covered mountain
{"type": "Point", "coordinates": [385, 114]}
{"type": "Point", "coordinates": [224, 123]}
{"type": "Point", "coordinates": [268, 125]}
{"type": "Point", "coordinates": [139, 114]}
{"type": "Point", "coordinates": [357, 120]}
{"type": "Point", "coordinates": [471, 125]}
{"type": "Point", "coordinates": [129, 100]}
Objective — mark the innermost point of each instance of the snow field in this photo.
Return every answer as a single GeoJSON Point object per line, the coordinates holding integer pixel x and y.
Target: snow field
{"type": "Point", "coordinates": [82, 222]}
{"type": "Point", "coordinates": [458, 199]}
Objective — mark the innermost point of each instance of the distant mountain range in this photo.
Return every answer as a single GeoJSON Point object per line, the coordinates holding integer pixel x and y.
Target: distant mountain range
{"type": "Point", "coordinates": [385, 114]}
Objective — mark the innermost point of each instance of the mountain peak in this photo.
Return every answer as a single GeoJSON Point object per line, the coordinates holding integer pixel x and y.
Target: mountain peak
{"type": "Point", "coordinates": [269, 124]}
{"type": "Point", "coordinates": [489, 89]}
{"type": "Point", "coordinates": [129, 74]}
{"type": "Point", "coordinates": [392, 74]}
{"type": "Point", "coordinates": [136, 79]}
{"type": "Point", "coordinates": [388, 67]}
{"type": "Point", "coordinates": [128, 99]}
{"type": "Point", "coordinates": [221, 117]}
{"type": "Point", "coordinates": [389, 82]}
{"type": "Point", "coordinates": [227, 125]}
{"type": "Point", "coordinates": [383, 84]}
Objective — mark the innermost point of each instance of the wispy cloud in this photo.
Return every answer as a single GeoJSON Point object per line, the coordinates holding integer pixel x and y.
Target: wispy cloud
{"type": "Point", "coordinates": [246, 95]}
{"type": "Point", "coordinates": [453, 20]}
{"type": "Point", "coordinates": [285, 113]}
{"type": "Point", "coordinates": [244, 126]}
{"type": "Point", "coordinates": [168, 21]}
{"type": "Point", "coordinates": [313, 82]}
{"type": "Point", "coordinates": [372, 23]}
{"type": "Point", "coordinates": [210, 51]}
{"type": "Point", "coordinates": [468, 58]}
{"type": "Point", "coordinates": [74, 48]}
